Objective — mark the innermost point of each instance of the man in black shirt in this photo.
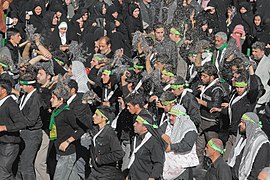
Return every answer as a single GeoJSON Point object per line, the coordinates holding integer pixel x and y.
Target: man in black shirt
{"type": "Point", "coordinates": [63, 131]}
{"type": "Point", "coordinates": [11, 122]}
{"type": "Point", "coordinates": [218, 169]}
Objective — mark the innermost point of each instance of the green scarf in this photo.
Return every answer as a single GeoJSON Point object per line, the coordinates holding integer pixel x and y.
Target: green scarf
{"type": "Point", "coordinates": [223, 46]}
{"type": "Point", "coordinates": [52, 127]}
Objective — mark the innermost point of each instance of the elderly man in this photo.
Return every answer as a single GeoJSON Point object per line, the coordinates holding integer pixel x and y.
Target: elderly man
{"type": "Point", "coordinates": [221, 45]}
{"type": "Point", "coordinates": [181, 152]}
{"type": "Point", "coordinates": [263, 71]}
{"type": "Point", "coordinates": [251, 151]}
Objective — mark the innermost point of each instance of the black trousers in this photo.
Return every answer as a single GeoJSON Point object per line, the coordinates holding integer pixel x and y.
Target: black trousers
{"type": "Point", "coordinates": [8, 154]}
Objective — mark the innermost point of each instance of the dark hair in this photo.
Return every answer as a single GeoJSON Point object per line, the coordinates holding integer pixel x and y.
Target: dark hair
{"type": "Point", "coordinates": [179, 80]}
{"type": "Point", "coordinates": [241, 78]}
{"type": "Point", "coordinates": [12, 32]}
{"type": "Point", "coordinates": [157, 26]}
{"type": "Point", "coordinates": [135, 99]}
{"type": "Point", "coordinates": [162, 58]}
{"type": "Point", "coordinates": [73, 84]}
{"type": "Point", "coordinates": [169, 68]}
{"type": "Point", "coordinates": [167, 96]}
{"type": "Point", "coordinates": [6, 84]}
{"type": "Point", "coordinates": [210, 69]}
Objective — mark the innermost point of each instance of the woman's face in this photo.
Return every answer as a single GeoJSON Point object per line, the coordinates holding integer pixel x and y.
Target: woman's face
{"type": "Point", "coordinates": [204, 27]}
{"type": "Point", "coordinates": [115, 14]}
{"type": "Point", "coordinates": [54, 20]}
{"type": "Point", "coordinates": [104, 10]}
{"type": "Point", "coordinates": [257, 20]}
{"type": "Point", "coordinates": [136, 13]}
{"type": "Point", "coordinates": [243, 10]}
{"type": "Point", "coordinates": [15, 21]}
{"type": "Point", "coordinates": [229, 12]}
{"type": "Point", "coordinates": [38, 10]}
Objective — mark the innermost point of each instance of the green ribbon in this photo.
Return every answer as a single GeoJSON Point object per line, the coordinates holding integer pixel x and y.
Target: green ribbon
{"type": "Point", "coordinates": [108, 72]}
{"type": "Point", "coordinates": [240, 84]}
{"type": "Point", "coordinates": [27, 82]}
{"type": "Point", "coordinates": [138, 67]}
{"type": "Point", "coordinates": [4, 65]}
{"type": "Point", "coordinates": [175, 31]}
{"type": "Point", "coordinates": [215, 147]}
{"type": "Point", "coordinates": [52, 127]}
{"type": "Point", "coordinates": [166, 73]}
{"type": "Point", "coordinates": [177, 112]}
{"type": "Point", "coordinates": [176, 86]}
{"type": "Point", "coordinates": [143, 121]}
{"type": "Point", "coordinates": [246, 118]}
{"type": "Point", "coordinates": [165, 103]}
{"type": "Point", "coordinates": [101, 114]}
{"type": "Point", "coordinates": [59, 61]}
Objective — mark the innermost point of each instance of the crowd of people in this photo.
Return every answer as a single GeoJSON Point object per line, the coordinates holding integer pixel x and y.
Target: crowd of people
{"type": "Point", "coordinates": [134, 89]}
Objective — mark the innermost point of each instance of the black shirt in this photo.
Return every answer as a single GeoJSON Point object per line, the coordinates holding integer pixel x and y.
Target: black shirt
{"type": "Point", "coordinates": [218, 170]}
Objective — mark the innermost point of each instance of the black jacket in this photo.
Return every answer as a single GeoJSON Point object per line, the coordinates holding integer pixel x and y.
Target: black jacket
{"type": "Point", "coordinates": [106, 152]}
{"type": "Point", "coordinates": [66, 127]}
{"type": "Point", "coordinates": [31, 111]}
{"type": "Point", "coordinates": [219, 170]}
{"type": "Point", "coordinates": [13, 119]}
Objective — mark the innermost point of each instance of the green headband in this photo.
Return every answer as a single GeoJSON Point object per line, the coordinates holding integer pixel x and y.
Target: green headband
{"type": "Point", "coordinates": [138, 67]}
{"type": "Point", "coordinates": [59, 61]}
{"type": "Point", "coordinates": [165, 103]}
{"type": "Point", "coordinates": [4, 65]}
{"type": "Point", "coordinates": [98, 58]}
{"type": "Point", "coordinates": [27, 82]}
{"type": "Point", "coordinates": [175, 31]}
{"type": "Point", "coordinates": [101, 114]}
{"type": "Point", "coordinates": [177, 112]}
{"type": "Point", "coordinates": [141, 120]}
{"type": "Point", "coordinates": [108, 72]}
{"type": "Point", "coordinates": [246, 118]}
{"type": "Point", "coordinates": [176, 86]}
{"type": "Point", "coordinates": [166, 73]}
{"type": "Point", "coordinates": [215, 147]}
{"type": "Point", "coordinates": [240, 84]}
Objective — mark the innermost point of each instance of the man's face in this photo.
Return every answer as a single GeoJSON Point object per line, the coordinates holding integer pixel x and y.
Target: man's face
{"type": "Point", "coordinates": [177, 91]}
{"type": "Point", "coordinates": [168, 107]}
{"type": "Point", "coordinates": [242, 127]}
{"type": "Point", "coordinates": [105, 78]}
{"type": "Point", "coordinates": [94, 62]}
{"type": "Point", "coordinates": [147, 1]}
{"type": "Point", "coordinates": [209, 151]}
{"type": "Point", "coordinates": [219, 41]}
{"type": "Point", "coordinates": [3, 93]}
{"type": "Point", "coordinates": [104, 47]}
{"type": "Point", "coordinates": [16, 38]}
{"type": "Point", "coordinates": [263, 175]}
{"type": "Point", "coordinates": [173, 37]}
{"type": "Point", "coordinates": [139, 128]}
{"type": "Point", "coordinates": [97, 118]}
{"type": "Point", "coordinates": [172, 119]}
{"type": "Point", "coordinates": [131, 108]}
{"type": "Point", "coordinates": [257, 54]}
{"type": "Point", "coordinates": [205, 78]}
{"type": "Point", "coordinates": [42, 77]}
{"type": "Point", "coordinates": [165, 78]}
{"type": "Point", "coordinates": [159, 34]}
{"type": "Point", "coordinates": [55, 102]}
{"type": "Point", "coordinates": [25, 88]}
{"type": "Point", "coordinates": [240, 90]}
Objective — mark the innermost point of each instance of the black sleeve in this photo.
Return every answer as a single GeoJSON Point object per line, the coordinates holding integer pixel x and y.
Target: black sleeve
{"type": "Point", "coordinates": [19, 121]}
{"type": "Point", "coordinates": [83, 114]}
{"type": "Point", "coordinates": [253, 91]}
{"type": "Point", "coordinates": [193, 109]}
{"type": "Point", "coordinates": [71, 120]}
{"type": "Point", "coordinates": [261, 161]}
{"type": "Point", "coordinates": [224, 172]}
{"type": "Point", "coordinates": [216, 98]}
{"type": "Point", "coordinates": [157, 157]}
{"type": "Point", "coordinates": [34, 112]}
{"type": "Point", "coordinates": [116, 151]}
{"type": "Point", "coordinates": [186, 144]}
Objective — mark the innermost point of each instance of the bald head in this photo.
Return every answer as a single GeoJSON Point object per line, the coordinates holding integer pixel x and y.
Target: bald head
{"type": "Point", "coordinates": [218, 142]}
{"type": "Point", "coordinates": [264, 174]}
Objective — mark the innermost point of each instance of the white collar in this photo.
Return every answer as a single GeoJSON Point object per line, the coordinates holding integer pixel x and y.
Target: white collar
{"type": "Point", "coordinates": [3, 100]}
{"type": "Point", "coordinates": [25, 99]}
{"type": "Point", "coordinates": [71, 99]}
